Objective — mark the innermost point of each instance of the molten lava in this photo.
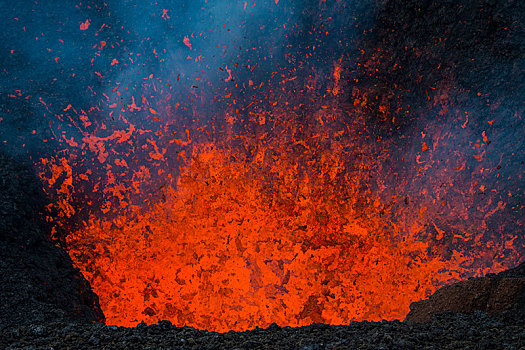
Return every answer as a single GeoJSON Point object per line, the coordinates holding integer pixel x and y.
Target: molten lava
{"type": "Point", "coordinates": [232, 247]}
{"type": "Point", "coordinates": [227, 187]}
{"type": "Point", "coordinates": [229, 164]}
{"type": "Point", "coordinates": [286, 229]}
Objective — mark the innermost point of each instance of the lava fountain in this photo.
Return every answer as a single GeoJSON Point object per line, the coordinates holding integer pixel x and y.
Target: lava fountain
{"type": "Point", "coordinates": [245, 163]}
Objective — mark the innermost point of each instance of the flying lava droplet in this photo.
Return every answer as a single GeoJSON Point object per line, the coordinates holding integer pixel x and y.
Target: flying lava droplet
{"type": "Point", "coordinates": [85, 25]}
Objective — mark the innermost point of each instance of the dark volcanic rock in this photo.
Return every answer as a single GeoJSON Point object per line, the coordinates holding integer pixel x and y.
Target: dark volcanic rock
{"type": "Point", "coordinates": [37, 280]}
{"type": "Point", "coordinates": [493, 294]}
{"type": "Point", "coordinates": [449, 331]}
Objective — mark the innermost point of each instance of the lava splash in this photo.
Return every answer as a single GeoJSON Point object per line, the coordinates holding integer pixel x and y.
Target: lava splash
{"type": "Point", "coordinates": [229, 164]}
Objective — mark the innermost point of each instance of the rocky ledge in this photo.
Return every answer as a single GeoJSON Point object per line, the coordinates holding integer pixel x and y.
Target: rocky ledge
{"type": "Point", "coordinates": [446, 331]}
{"type": "Point", "coordinates": [496, 295]}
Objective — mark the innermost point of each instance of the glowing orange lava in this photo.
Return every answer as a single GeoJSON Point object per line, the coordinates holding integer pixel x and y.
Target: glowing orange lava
{"type": "Point", "coordinates": [299, 220]}
{"type": "Point", "coordinates": [240, 242]}
{"type": "Point", "coordinates": [226, 250]}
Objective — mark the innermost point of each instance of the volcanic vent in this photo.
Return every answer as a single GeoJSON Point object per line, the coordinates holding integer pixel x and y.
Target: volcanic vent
{"type": "Point", "coordinates": [236, 164]}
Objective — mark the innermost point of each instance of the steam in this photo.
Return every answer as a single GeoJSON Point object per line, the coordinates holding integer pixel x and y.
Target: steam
{"type": "Point", "coordinates": [56, 56]}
